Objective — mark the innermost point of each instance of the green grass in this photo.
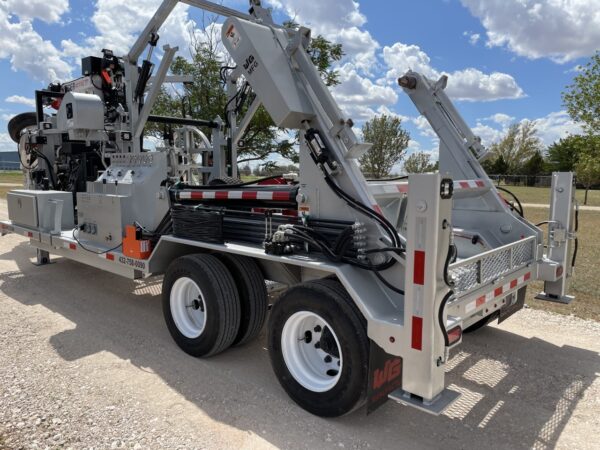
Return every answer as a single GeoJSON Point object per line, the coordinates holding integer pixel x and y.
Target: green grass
{"type": "Point", "coordinates": [11, 176]}
{"type": "Point", "coordinates": [585, 284]}
{"type": "Point", "coordinates": [542, 195]}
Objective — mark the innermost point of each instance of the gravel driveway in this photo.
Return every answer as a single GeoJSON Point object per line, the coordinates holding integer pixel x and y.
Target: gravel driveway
{"type": "Point", "coordinates": [86, 361]}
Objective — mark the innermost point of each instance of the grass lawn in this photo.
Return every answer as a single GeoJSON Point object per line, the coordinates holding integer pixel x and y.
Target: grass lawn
{"type": "Point", "coordinates": [542, 195]}
{"type": "Point", "coordinates": [585, 284]}
{"type": "Point", "coordinates": [11, 176]}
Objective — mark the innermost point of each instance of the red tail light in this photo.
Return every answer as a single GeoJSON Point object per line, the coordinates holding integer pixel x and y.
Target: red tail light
{"type": "Point", "coordinates": [454, 335]}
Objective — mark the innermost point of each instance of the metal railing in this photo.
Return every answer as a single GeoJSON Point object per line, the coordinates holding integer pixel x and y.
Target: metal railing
{"type": "Point", "coordinates": [475, 272]}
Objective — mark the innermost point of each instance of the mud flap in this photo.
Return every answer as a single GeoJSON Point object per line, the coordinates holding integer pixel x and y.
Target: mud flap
{"type": "Point", "coordinates": [509, 309]}
{"type": "Point", "coordinates": [385, 376]}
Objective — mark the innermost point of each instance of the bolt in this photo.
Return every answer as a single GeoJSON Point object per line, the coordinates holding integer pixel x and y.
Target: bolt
{"type": "Point", "coordinates": [327, 359]}
{"type": "Point", "coordinates": [318, 329]}
{"type": "Point", "coordinates": [317, 345]}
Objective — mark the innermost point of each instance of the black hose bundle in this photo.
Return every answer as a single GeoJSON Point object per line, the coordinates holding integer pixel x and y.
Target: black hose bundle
{"type": "Point", "coordinates": [198, 224]}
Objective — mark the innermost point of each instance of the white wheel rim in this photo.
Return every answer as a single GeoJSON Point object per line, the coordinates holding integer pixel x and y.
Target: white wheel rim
{"type": "Point", "coordinates": [311, 360]}
{"type": "Point", "coordinates": [188, 307]}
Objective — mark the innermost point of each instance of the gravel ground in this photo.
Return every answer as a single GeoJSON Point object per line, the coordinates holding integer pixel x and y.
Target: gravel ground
{"type": "Point", "coordinates": [86, 362]}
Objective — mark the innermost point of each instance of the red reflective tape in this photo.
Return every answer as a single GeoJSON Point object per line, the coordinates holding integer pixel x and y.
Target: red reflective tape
{"type": "Point", "coordinates": [513, 284]}
{"type": "Point", "coordinates": [464, 184]}
{"type": "Point", "coordinates": [110, 256]}
{"type": "Point", "coordinates": [281, 196]}
{"type": "Point", "coordinates": [480, 301]}
{"type": "Point", "coordinates": [498, 291]}
{"type": "Point", "coordinates": [403, 188]}
{"type": "Point", "coordinates": [417, 333]}
{"type": "Point", "coordinates": [196, 195]}
{"type": "Point", "coordinates": [527, 276]}
{"type": "Point", "coordinates": [378, 210]}
{"type": "Point", "coordinates": [221, 195]}
{"type": "Point", "coordinates": [29, 234]}
{"type": "Point", "coordinates": [72, 247]}
{"type": "Point", "coordinates": [419, 268]}
{"type": "Point", "coordinates": [106, 77]}
{"type": "Point", "coordinates": [479, 183]}
{"type": "Point", "coordinates": [249, 195]}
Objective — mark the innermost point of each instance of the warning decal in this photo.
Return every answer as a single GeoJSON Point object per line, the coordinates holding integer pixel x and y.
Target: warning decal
{"type": "Point", "coordinates": [233, 37]}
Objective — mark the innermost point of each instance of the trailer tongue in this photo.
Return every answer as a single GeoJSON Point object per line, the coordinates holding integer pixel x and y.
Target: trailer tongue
{"type": "Point", "coordinates": [383, 277]}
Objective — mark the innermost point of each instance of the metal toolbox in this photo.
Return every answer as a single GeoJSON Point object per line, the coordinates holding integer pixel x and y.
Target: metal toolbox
{"type": "Point", "coordinates": [45, 210]}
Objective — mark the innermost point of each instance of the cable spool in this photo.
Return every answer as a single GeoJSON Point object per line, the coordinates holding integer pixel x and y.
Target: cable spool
{"type": "Point", "coordinates": [198, 224]}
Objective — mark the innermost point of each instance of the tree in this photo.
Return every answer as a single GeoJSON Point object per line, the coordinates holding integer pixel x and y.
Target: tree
{"type": "Point", "coordinates": [519, 145]}
{"type": "Point", "coordinates": [587, 168]}
{"type": "Point", "coordinates": [206, 97]}
{"type": "Point", "coordinates": [564, 154]}
{"type": "Point", "coordinates": [534, 167]}
{"type": "Point", "coordinates": [582, 98]}
{"type": "Point", "coordinates": [419, 162]}
{"type": "Point", "coordinates": [389, 141]}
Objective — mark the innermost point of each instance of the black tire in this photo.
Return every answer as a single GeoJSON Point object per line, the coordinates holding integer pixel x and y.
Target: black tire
{"type": "Point", "coordinates": [252, 290]}
{"type": "Point", "coordinates": [17, 124]}
{"type": "Point", "coordinates": [328, 299]}
{"type": "Point", "coordinates": [221, 301]}
{"type": "Point", "coordinates": [224, 181]}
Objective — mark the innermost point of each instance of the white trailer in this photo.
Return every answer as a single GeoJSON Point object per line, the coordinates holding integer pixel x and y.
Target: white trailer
{"type": "Point", "coordinates": [383, 276]}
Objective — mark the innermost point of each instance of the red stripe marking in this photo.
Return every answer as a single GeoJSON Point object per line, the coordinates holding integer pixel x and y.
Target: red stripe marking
{"type": "Point", "coordinates": [480, 301]}
{"type": "Point", "coordinates": [417, 333]}
{"type": "Point", "coordinates": [221, 195]}
{"type": "Point", "coordinates": [110, 256]}
{"type": "Point", "coordinates": [72, 247]}
{"type": "Point", "coordinates": [464, 184]}
{"type": "Point", "coordinates": [29, 234]}
{"type": "Point", "coordinates": [498, 291]}
{"type": "Point", "coordinates": [402, 188]}
{"type": "Point", "coordinates": [196, 195]}
{"type": "Point", "coordinates": [281, 196]}
{"type": "Point", "coordinates": [479, 183]}
{"type": "Point", "coordinates": [513, 283]}
{"type": "Point", "coordinates": [419, 268]}
{"type": "Point", "coordinates": [527, 276]}
{"type": "Point", "coordinates": [249, 195]}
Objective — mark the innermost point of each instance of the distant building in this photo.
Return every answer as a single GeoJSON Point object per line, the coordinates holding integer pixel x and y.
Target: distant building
{"type": "Point", "coordinates": [9, 161]}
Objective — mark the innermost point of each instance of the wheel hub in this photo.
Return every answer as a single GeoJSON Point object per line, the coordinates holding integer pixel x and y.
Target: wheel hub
{"type": "Point", "coordinates": [188, 307]}
{"type": "Point", "coordinates": [311, 351]}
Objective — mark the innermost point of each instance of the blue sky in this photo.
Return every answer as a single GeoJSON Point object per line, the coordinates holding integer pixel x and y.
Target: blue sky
{"type": "Point", "coordinates": [508, 60]}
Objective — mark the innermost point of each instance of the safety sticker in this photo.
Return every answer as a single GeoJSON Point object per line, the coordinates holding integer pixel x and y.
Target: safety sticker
{"type": "Point", "coordinates": [233, 37]}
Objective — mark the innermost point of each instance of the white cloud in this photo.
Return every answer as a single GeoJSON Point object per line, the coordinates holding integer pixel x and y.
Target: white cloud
{"type": "Point", "coordinates": [6, 143]}
{"type": "Point", "coordinates": [119, 24]}
{"type": "Point", "coordinates": [49, 11]}
{"type": "Point", "coordinates": [550, 128]}
{"type": "Point", "coordinates": [561, 30]}
{"type": "Point", "coordinates": [468, 84]}
{"type": "Point", "coordinates": [19, 99]}
{"type": "Point", "coordinates": [501, 119]}
{"type": "Point", "coordinates": [361, 98]}
{"type": "Point", "coordinates": [24, 47]}
{"type": "Point", "coordinates": [338, 21]}
{"type": "Point", "coordinates": [473, 37]}
{"type": "Point", "coordinates": [555, 126]}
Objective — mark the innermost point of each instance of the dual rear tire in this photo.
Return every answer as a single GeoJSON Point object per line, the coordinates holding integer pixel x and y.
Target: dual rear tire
{"type": "Point", "coordinates": [317, 337]}
{"type": "Point", "coordinates": [211, 303]}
